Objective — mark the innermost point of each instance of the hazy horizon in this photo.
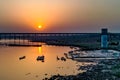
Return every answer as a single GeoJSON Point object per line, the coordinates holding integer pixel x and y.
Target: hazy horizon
{"type": "Point", "coordinates": [77, 16]}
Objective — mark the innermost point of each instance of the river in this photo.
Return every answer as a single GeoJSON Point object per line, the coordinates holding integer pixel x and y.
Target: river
{"type": "Point", "coordinates": [11, 68]}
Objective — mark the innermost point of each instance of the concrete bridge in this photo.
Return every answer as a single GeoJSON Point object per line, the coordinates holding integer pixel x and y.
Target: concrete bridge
{"type": "Point", "coordinates": [38, 35]}
{"type": "Point", "coordinates": [20, 38]}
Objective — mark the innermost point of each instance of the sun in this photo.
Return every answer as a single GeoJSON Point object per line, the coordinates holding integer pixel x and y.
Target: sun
{"type": "Point", "coordinates": [40, 26]}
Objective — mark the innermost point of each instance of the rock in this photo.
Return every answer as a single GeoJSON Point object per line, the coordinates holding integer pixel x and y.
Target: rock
{"type": "Point", "coordinates": [22, 57]}
{"type": "Point", "coordinates": [106, 71]}
{"type": "Point", "coordinates": [63, 59]}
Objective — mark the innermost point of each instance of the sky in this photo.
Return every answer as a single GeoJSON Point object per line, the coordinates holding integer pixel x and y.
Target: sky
{"type": "Point", "coordinates": [75, 16]}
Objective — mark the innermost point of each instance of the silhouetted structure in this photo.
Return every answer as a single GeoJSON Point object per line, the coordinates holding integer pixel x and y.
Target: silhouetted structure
{"type": "Point", "coordinates": [104, 38]}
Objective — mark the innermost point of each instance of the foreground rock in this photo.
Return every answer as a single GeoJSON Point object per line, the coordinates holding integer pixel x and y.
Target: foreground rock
{"type": "Point", "coordinates": [104, 70]}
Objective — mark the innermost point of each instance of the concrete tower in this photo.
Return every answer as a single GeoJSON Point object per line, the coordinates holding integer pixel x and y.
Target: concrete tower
{"type": "Point", "coordinates": [104, 38]}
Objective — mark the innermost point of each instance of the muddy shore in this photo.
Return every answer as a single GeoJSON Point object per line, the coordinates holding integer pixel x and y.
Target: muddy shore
{"type": "Point", "coordinates": [104, 70]}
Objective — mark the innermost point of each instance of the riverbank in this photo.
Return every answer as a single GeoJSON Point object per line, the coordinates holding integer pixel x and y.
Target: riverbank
{"type": "Point", "coordinates": [104, 70]}
{"type": "Point", "coordinates": [85, 46]}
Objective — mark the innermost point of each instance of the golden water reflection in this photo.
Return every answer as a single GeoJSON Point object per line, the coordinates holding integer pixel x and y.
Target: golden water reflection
{"type": "Point", "coordinates": [11, 68]}
{"type": "Point", "coordinates": [40, 50]}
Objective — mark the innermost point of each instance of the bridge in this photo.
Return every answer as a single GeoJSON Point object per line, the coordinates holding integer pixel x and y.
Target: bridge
{"type": "Point", "coordinates": [29, 38]}
{"type": "Point", "coordinates": [21, 38]}
{"type": "Point", "coordinates": [38, 35]}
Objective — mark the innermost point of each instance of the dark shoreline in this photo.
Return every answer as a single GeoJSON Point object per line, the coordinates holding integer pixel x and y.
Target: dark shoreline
{"type": "Point", "coordinates": [82, 47]}
{"type": "Point", "coordinates": [24, 45]}
{"type": "Point", "coordinates": [104, 70]}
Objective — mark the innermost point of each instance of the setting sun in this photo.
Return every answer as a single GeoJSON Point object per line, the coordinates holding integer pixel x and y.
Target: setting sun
{"type": "Point", "coordinates": [39, 26]}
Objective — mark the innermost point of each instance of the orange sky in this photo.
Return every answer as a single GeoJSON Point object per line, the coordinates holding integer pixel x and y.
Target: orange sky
{"type": "Point", "coordinates": [58, 15]}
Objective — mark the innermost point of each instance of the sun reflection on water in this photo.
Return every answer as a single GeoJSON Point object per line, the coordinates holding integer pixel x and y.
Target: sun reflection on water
{"type": "Point", "coordinates": [40, 50]}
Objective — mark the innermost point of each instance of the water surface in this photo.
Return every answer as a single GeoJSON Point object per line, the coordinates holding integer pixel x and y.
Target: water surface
{"type": "Point", "coordinates": [11, 68]}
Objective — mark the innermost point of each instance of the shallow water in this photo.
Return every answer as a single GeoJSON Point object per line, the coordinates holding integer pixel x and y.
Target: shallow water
{"type": "Point", "coordinates": [11, 68]}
